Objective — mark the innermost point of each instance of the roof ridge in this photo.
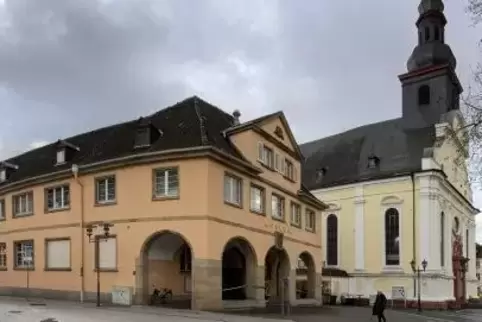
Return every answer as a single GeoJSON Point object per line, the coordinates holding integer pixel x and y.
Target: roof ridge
{"type": "Point", "coordinates": [202, 128]}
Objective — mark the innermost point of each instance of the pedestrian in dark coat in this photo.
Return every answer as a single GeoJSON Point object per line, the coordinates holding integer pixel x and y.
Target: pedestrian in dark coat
{"type": "Point", "coordinates": [379, 306]}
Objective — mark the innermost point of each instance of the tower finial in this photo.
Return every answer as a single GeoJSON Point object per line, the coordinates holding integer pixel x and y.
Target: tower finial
{"type": "Point", "coordinates": [430, 5]}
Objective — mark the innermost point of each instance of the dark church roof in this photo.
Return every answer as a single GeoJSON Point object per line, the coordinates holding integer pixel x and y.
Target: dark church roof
{"type": "Point", "coordinates": [345, 158]}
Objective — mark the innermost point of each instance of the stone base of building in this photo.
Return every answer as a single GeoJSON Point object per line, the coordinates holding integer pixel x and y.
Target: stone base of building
{"type": "Point", "coordinates": [430, 305]}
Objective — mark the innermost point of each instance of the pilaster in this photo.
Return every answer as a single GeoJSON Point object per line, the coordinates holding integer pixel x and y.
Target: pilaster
{"type": "Point", "coordinates": [426, 220]}
{"type": "Point", "coordinates": [207, 286]}
{"type": "Point", "coordinates": [359, 229]}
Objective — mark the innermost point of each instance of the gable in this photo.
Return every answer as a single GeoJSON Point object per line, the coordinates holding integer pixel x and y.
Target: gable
{"type": "Point", "coordinates": [278, 128]}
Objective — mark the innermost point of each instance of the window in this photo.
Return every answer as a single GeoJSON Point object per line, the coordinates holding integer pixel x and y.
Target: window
{"type": "Point", "coordinates": [392, 235]}
{"type": "Point", "coordinates": [436, 33]}
{"type": "Point", "coordinates": [277, 161]}
{"type": "Point", "coordinates": [61, 156]}
{"type": "Point", "coordinates": [332, 240]}
{"type": "Point", "coordinates": [257, 199]}
{"type": "Point", "coordinates": [310, 220]}
{"type": "Point", "coordinates": [143, 137]}
{"type": "Point", "coordinates": [23, 204]}
{"type": "Point", "coordinates": [295, 214]}
{"type": "Point", "coordinates": [3, 175]}
{"type": "Point", "coordinates": [105, 190]}
{"type": "Point", "coordinates": [265, 155]}
{"type": "Point", "coordinates": [24, 254]}
{"type": "Point", "coordinates": [277, 207]}
{"type": "Point", "coordinates": [442, 239]}
{"type": "Point", "coordinates": [427, 33]}
{"type": "Point", "coordinates": [185, 259]}
{"type": "Point", "coordinates": [166, 182]}
{"type": "Point", "coordinates": [424, 95]}
{"type": "Point", "coordinates": [107, 253]}
{"type": "Point", "coordinates": [57, 255]}
{"type": "Point", "coordinates": [58, 197]}
{"type": "Point", "coordinates": [3, 256]}
{"type": "Point", "coordinates": [289, 169]}
{"type": "Point", "coordinates": [2, 209]}
{"type": "Point", "coordinates": [232, 190]}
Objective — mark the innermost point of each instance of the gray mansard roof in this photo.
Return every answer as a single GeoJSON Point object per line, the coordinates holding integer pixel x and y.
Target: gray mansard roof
{"type": "Point", "coordinates": [345, 156]}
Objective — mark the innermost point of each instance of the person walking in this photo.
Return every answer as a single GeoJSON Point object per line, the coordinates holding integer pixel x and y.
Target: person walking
{"type": "Point", "coordinates": [379, 306]}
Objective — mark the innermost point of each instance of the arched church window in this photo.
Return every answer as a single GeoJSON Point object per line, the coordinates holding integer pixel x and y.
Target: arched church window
{"type": "Point", "coordinates": [185, 258]}
{"type": "Point", "coordinates": [392, 237]}
{"type": "Point", "coordinates": [332, 240]}
{"type": "Point", "coordinates": [436, 34]}
{"type": "Point", "coordinates": [427, 34]}
{"type": "Point", "coordinates": [442, 239]}
{"type": "Point", "coordinates": [424, 95]}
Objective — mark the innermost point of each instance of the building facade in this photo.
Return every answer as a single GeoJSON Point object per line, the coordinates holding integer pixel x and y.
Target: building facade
{"type": "Point", "coordinates": [398, 190]}
{"type": "Point", "coordinates": [193, 200]}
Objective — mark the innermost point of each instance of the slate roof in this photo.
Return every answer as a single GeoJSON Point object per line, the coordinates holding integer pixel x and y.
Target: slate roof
{"type": "Point", "coordinates": [345, 156]}
{"type": "Point", "coordinates": [189, 123]}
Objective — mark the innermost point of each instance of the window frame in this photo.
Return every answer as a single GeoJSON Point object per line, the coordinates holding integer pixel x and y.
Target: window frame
{"type": "Point", "coordinates": [289, 169]}
{"type": "Point", "coordinates": [239, 181]}
{"type": "Point", "coordinates": [332, 241]}
{"type": "Point", "coordinates": [3, 256]}
{"type": "Point", "coordinates": [3, 209]}
{"type": "Point", "coordinates": [63, 188]}
{"type": "Point", "coordinates": [264, 153]}
{"type": "Point", "coordinates": [262, 191]}
{"type": "Point", "coordinates": [155, 172]}
{"type": "Point", "coordinates": [282, 201]}
{"type": "Point", "coordinates": [3, 175]}
{"type": "Point", "coordinates": [57, 269]}
{"type": "Point", "coordinates": [27, 194]}
{"type": "Point", "coordinates": [294, 205]}
{"type": "Point", "coordinates": [308, 212]}
{"type": "Point", "coordinates": [63, 153]}
{"type": "Point", "coordinates": [15, 253]}
{"type": "Point", "coordinates": [385, 239]}
{"type": "Point", "coordinates": [99, 240]}
{"type": "Point", "coordinates": [97, 181]}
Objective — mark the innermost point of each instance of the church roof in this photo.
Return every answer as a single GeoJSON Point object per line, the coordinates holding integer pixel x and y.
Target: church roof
{"type": "Point", "coordinates": [345, 157]}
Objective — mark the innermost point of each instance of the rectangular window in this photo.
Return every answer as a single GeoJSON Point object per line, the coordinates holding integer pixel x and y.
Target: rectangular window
{"type": "Point", "coordinates": [257, 199]}
{"type": "Point", "coordinates": [2, 209]}
{"type": "Point", "coordinates": [24, 254]}
{"type": "Point", "coordinates": [289, 169]}
{"type": "Point", "coordinates": [23, 204]}
{"type": "Point", "coordinates": [3, 256]}
{"type": "Point", "coordinates": [57, 254]}
{"type": "Point", "coordinates": [166, 182]}
{"type": "Point", "coordinates": [295, 214]}
{"type": "Point", "coordinates": [232, 190]}
{"type": "Point", "coordinates": [266, 155]}
{"type": "Point", "coordinates": [310, 220]}
{"type": "Point", "coordinates": [108, 253]}
{"type": "Point", "coordinates": [58, 197]}
{"type": "Point", "coordinates": [105, 190]}
{"type": "Point", "coordinates": [61, 156]}
{"type": "Point", "coordinates": [277, 207]}
{"type": "Point", "coordinates": [3, 175]}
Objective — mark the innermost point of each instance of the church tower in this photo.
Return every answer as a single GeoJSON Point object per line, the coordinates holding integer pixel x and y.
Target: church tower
{"type": "Point", "coordinates": [431, 87]}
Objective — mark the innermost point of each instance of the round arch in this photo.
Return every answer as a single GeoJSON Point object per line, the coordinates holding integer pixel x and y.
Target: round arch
{"type": "Point", "coordinates": [239, 264]}
{"type": "Point", "coordinates": [166, 262]}
{"type": "Point", "coordinates": [306, 276]}
{"type": "Point", "coordinates": [277, 270]}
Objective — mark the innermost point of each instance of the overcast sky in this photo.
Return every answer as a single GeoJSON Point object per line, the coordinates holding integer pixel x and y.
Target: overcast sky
{"type": "Point", "coordinates": [67, 66]}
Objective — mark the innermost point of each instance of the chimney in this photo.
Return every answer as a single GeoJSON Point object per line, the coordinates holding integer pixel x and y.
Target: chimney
{"type": "Point", "coordinates": [236, 115]}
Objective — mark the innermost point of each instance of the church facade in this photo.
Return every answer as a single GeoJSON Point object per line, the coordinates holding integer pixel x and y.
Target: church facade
{"type": "Point", "coordinates": [398, 191]}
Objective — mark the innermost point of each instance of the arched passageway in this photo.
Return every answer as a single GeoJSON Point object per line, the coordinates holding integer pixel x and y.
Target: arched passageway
{"type": "Point", "coordinates": [305, 277]}
{"type": "Point", "coordinates": [166, 264]}
{"type": "Point", "coordinates": [238, 270]}
{"type": "Point", "coordinates": [277, 271]}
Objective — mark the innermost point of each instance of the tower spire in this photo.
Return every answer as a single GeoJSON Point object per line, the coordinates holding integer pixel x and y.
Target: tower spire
{"type": "Point", "coordinates": [431, 49]}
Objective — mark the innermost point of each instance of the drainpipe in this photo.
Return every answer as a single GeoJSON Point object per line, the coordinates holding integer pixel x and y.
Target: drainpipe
{"type": "Point", "coordinates": [412, 176]}
{"type": "Point", "coordinates": [75, 172]}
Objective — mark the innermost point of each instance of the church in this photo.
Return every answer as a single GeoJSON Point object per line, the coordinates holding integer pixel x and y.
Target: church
{"type": "Point", "coordinates": [399, 198]}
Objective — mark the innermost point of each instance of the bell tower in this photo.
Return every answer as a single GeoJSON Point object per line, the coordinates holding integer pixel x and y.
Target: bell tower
{"type": "Point", "coordinates": [430, 88]}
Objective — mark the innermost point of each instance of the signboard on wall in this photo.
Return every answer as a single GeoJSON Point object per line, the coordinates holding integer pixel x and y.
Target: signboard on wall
{"type": "Point", "coordinates": [398, 293]}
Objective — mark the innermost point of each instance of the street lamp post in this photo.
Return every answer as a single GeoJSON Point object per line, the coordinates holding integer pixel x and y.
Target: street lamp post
{"type": "Point", "coordinates": [95, 239]}
{"type": "Point", "coordinates": [418, 270]}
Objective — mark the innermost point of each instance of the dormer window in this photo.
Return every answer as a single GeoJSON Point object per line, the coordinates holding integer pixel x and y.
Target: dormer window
{"type": "Point", "coordinates": [61, 156]}
{"type": "Point", "coordinates": [3, 175]}
{"type": "Point", "coordinates": [65, 151]}
{"type": "Point", "coordinates": [146, 134]}
{"type": "Point", "coordinates": [320, 174]}
{"type": "Point", "coordinates": [373, 161]}
{"type": "Point", "coordinates": [5, 168]}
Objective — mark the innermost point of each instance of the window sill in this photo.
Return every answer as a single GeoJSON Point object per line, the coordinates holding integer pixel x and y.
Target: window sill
{"type": "Point", "coordinates": [24, 268]}
{"type": "Point", "coordinates": [164, 198]}
{"type": "Point", "coordinates": [264, 165]}
{"type": "Point", "coordinates": [107, 270]}
{"type": "Point", "coordinates": [392, 269]}
{"type": "Point", "coordinates": [105, 203]}
{"type": "Point", "coordinates": [232, 204]}
{"type": "Point", "coordinates": [3, 219]}
{"type": "Point", "coordinates": [47, 269]}
{"type": "Point", "coordinates": [3, 269]}
{"type": "Point", "coordinates": [23, 215]}
{"type": "Point", "coordinates": [310, 230]}
{"type": "Point", "coordinates": [278, 219]}
{"type": "Point", "coordinates": [295, 225]}
{"type": "Point", "coordinates": [257, 212]}
{"type": "Point", "coordinates": [49, 211]}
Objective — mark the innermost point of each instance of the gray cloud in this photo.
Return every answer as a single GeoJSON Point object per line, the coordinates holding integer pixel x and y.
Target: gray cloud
{"type": "Point", "coordinates": [67, 66]}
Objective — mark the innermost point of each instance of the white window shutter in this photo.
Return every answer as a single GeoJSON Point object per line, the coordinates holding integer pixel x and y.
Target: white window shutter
{"type": "Point", "coordinates": [108, 253]}
{"type": "Point", "coordinates": [58, 253]}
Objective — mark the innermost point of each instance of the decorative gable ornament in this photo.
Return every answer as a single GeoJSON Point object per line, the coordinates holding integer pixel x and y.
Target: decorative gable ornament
{"type": "Point", "coordinates": [279, 132]}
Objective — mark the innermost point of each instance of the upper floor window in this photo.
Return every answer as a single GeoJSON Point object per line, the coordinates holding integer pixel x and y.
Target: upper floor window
{"type": "Point", "coordinates": [392, 237]}
{"type": "Point", "coordinates": [23, 204]}
{"type": "Point", "coordinates": [427, 34]}
{"type": "Point", "coordinates": [289, 169]}
{"type": "Point", "coordinates": [3, 175]}
{"type": "Point", "coordinates": [24, 254]}
{"type": "Point", "coordinates": [105, 190]}
{"type": "Point", "coordinates": [58, 197]}
{"type": "Point", "coordinates": [60, 156]}
{"type": "Point", "coordinates": [436, 34]}
{"type": "Point", "coordinates": [265, 155]}
{"type": "Point", "coordinates": [257, 203]}
{"type": "Point", "coordinates": [310, 220]}
{"type": "Point", "coordinates": [2, 210]}
{"type": "Point", "coordinates": [295, 214]}
{"type": "Point", "coordinates": [166, 182]}
{"type": "Point", "coordinates": [424, 95]}
{"type": "Point", "coordinates": [232, 190]}
{"type": "Point", "coordinates": [3, 256]}
{"type": "Point", "coordinates": [332, 240]}
{"type": "Point", "coordinates": [277, 207]}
